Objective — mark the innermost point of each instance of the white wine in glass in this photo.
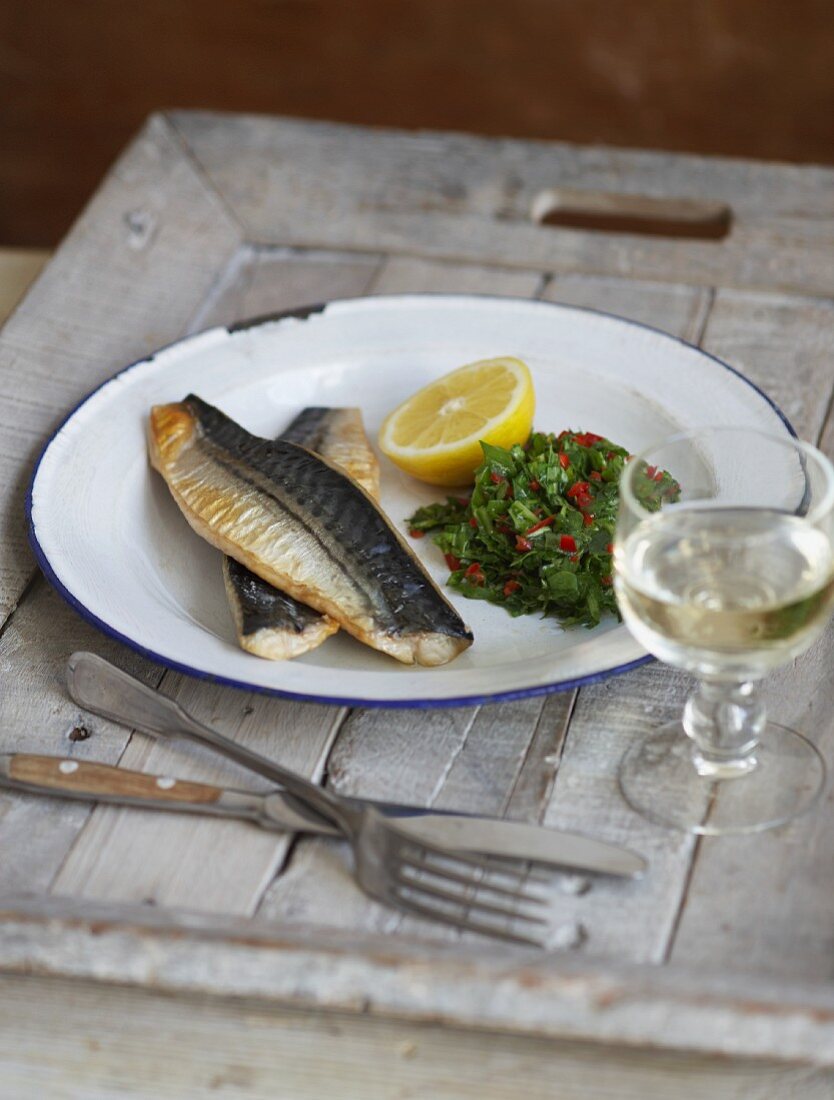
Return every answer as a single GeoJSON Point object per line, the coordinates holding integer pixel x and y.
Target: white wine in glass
{"type": "Point", "coordinates": [728, 576]}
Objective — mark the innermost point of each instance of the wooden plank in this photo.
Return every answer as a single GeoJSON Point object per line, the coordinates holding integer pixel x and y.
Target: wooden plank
{"type": "Point", "coordinates": [206, 864]}
{"type": "Point", "coordinates": [204, 1048]}
{"type": "Point", "coordinates": [492, 987]}
{"type": "Point", "coordinates": [199, 863]}
{"type": "Point", "coordinates": [472, 200]}
{"type": "Point", "coordinates": [409, 275]}
{"type": "Point", "coordinates": [626, 920]}
{"type": "Point", "coordinates": [623, 920]}
{"type": "Point", "coordinates": [127, 279]}
{"type": "Point", "coordinates": [764, 902]}
{"type": "Point", "coordinates": [773, 339]}
{"type": "Point", "coordinates": [681, 310]}
{"type": "Point", "coordinates": [37, 715]}
{"type": "Point", "coordinates": [466, 759]}
{"type": "Point", "coordinates": [260, 281]}
{"type": "Point", "coordinates": [410, 759]}
{"type": "Point", "coordinates": [783, 344]}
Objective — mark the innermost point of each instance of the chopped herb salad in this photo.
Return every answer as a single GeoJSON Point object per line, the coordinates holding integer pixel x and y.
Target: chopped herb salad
{"type": "Point", "coordinates": [537, 532]}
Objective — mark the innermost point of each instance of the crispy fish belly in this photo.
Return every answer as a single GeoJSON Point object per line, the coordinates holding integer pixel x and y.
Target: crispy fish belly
{"type": "Point", "coordinates": [268, 622]}
{"type": "Point", "coordinates": [307, 528]}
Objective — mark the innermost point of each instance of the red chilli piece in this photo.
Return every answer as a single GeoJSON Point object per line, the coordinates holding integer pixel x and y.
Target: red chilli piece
{"type": "Point", "coordinates": [452, 561]}
{"type": "Point", "coordinates": [510, 587]}
{"type": "Point", "coordinates": [521, 543]}
{"type": "Point", "coordinates": [658, 476]}
{"type": "Point", "coordinates": [588, 439]}
{"type": "Point", "coordinates": [579, 488]}
{"type": "Point", "coordinates": [415, 534]}
{"type": "Point", "coordinates": [573, 557]}
{"type": "Point", "coordinates": [587, 518]}
{"type": "Point", "coordinates": [546, 522]}
{"type": "Point", "coordinates": [596, 475]}
{"type": "Point", "coordinates": [609, 549]}
{"type": "Point", "coordinates": [535, 486]}
{"type": "Point", "coordinates": [651, 471]}
{"type": "Point", "coordinates": [567, 542]}
{"type": "Point", "coordinates": [564, 461]}
{"type": "Point", "coordinates": [496, 479]}
{"type": "Point", "coordinates": [606, 580]}
{"type": "Point", "coordinates": [474, 574]}
{"type": "Point", "coordinates": [473, 521]}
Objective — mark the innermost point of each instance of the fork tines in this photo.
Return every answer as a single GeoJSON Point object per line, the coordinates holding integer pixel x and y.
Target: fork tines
{"type": "Point", "coordinates": [470, 892]}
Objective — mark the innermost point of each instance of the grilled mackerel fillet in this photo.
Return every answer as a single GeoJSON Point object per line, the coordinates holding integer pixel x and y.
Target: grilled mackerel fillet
{"type": "Point", "coordinates": [268, 622]}
{"type": "Point", "coordinates": [303, 525]}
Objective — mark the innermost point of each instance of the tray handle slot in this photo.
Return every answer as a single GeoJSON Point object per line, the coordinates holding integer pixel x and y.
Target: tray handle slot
{"type": "Point", "coordinates": [611, 212]}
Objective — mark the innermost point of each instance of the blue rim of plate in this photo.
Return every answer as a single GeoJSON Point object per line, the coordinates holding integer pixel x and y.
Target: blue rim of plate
{"type": "Point", "coordinates": [302, 313]}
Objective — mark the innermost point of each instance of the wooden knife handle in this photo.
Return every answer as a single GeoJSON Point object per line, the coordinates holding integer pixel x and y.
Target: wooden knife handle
{"type": "Point", "coordinates": [55, 773]}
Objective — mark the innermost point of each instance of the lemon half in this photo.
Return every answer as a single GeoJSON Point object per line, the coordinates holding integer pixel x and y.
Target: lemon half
{"type": "Point", "coordinates": [436, 434]}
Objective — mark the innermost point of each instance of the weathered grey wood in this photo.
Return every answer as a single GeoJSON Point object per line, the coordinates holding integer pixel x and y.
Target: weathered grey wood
{"type": "Point", "coordinates": [409, 275]}
{"type": "Point", "coordinates": [623, 920]}
{"type": "Point", "coordinates": [764, 903]}
{"type": "Point", "coordinates": [157, 254]}
{"type": "Point", "coordinates": [783, 344]}
{"type": "Point", "coordinates": [165, 1048]}
{"type": "Point", "coordinates": [36, 714]}
{"type": "Point", "coordinates": [259, 281]}
{"type": "Point", "coordinates": [412, 756]}
{"type": "Point", "coordinates": [471, 199]}
{"type": "Point", "coordinates": [466, 759]}
{"type": "Point", "coordinates": [218, 866]}
{"type": "Point", "coordinates": [681, 310]}
{"type": "Point", "coordinates": [494, 987]}
{"type": "Point", "coordinates": [127, 279]}
{"type": "Point", "coordinates": [213, 865]}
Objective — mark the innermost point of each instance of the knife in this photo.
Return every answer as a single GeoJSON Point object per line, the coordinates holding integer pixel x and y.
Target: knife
{"type": "Point", "coordinates": [104, 689]}
{"type": "Point", "coordinates": [90, 781]}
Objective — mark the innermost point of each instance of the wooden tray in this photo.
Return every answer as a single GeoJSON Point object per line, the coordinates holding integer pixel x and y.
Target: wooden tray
{"type": "Point", "coordinates": [726, 947]}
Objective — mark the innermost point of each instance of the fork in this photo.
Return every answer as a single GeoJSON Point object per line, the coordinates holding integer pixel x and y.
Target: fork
{"type": "Point", "coordinates": [390, 865]}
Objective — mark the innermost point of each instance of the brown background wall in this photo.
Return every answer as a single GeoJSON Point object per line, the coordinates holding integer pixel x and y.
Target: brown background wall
{"type": "Point", "coordinates": [744, 77]}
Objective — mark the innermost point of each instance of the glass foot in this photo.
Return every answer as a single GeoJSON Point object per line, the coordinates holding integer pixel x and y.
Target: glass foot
{"type": "Point", "coordinates": [658, 779]}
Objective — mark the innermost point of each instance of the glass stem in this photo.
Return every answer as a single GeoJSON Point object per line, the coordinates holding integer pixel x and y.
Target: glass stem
{"type": "Point", "coordinates": [725, 721]}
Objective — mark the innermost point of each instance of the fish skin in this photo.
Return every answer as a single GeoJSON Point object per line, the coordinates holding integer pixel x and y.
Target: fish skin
{"type": "Point", "coordinates": [339, 436]}
{"type": "Point", "coordinates": [301, 523]}
{"type": "Point", "coordinates": [268, 622]}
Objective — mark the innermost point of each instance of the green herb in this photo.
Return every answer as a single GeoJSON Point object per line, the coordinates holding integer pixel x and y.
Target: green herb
{"type": "Point", "coordinates": [536, 533]}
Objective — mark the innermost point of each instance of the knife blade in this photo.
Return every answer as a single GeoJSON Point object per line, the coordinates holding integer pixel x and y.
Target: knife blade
{"type": "Point", "coordinates": [490, 836]}
{"type": "Point", "coordinates": [276, 809]}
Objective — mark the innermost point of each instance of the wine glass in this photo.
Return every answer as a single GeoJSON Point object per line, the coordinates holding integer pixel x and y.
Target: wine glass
{"type": "Point", "coordinates": [724, 567]}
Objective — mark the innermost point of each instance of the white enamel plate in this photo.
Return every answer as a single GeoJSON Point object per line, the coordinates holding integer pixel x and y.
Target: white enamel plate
{"type": "Point", "coordinates": [110, 538]}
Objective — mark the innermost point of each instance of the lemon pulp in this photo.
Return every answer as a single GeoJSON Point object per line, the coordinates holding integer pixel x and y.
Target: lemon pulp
{"type": "Point", "coordinates": [435, 435]}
